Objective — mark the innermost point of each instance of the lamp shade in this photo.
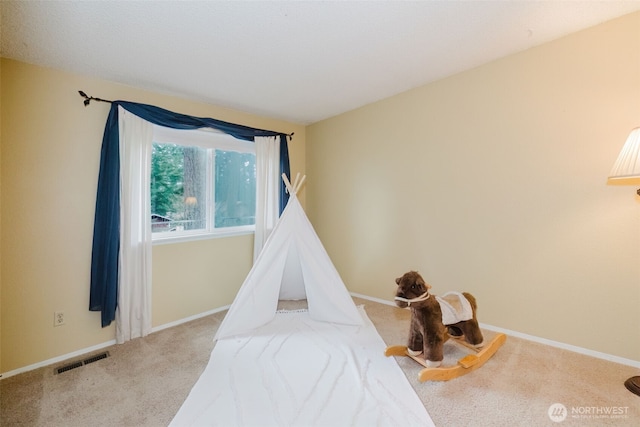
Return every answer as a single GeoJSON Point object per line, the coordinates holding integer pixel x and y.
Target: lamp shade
{"type": "Point", "coordinates": [628, 163]}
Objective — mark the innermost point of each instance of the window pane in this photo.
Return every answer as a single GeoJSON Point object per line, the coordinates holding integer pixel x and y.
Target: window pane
{"type": "Point", "coordinates": [208, 188]}
{"type": "Point", "coordinates": [235, 192]}
{"type": "Point", "coordinates": [178, 188]}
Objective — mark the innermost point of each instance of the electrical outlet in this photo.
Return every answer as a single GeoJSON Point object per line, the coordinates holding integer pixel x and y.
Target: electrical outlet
{"type": "Point", "coordinates": [58, 318]}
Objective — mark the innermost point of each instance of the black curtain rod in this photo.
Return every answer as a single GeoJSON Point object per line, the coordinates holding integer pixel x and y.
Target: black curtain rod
{"type": "Point", "coordinates": [88, 99]}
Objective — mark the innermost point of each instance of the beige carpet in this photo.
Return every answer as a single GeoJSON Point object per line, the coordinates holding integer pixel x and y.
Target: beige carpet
{"type": "Point", "coordinates": [145, 381]}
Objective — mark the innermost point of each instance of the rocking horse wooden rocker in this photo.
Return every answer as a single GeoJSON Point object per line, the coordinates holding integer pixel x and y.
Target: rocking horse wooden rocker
{"type": "Point", "coordinates": [433, 321]}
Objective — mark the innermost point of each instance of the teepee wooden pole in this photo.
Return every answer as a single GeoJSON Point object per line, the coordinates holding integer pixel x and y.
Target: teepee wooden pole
{"type": "Point", "coordinates": [297, 188]}
{"type": "Point", "coordinates": [287, 183]}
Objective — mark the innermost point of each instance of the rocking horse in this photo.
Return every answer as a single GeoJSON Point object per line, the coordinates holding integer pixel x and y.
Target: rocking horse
{"type": "Point", "coordinates": [434, 320]}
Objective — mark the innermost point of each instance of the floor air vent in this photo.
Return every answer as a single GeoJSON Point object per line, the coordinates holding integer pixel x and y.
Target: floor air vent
{"type": "Point", "coordinates": [96, 358]}
{"type": "Point", "coordinates": [80, 363]}
{"type": "Point", "coordinates": [68, 367]}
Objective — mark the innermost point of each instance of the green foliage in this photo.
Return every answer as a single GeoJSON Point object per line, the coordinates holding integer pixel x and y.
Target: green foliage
{"type": "Point", "coordinates": [167, 172]}
{"type": "Point", "coordinates": [179, 186]}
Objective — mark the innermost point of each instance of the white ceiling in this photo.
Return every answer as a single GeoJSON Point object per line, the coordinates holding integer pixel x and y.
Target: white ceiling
{"type": "Point", "coordinates": [300, 61]}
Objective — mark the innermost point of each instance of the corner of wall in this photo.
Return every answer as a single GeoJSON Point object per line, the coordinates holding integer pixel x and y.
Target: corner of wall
{"type": "Point", "coordinates": [0, 216]}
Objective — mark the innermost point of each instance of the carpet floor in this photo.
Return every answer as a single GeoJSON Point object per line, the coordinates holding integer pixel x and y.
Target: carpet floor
{"type": "Point", "coordinates": [145, 381]}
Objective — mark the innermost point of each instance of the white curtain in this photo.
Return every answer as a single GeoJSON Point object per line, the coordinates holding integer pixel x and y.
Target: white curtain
{"type": "Point", "coordinates": [133, 315]}
{"type": "Point", "coordinates": [267, 189]}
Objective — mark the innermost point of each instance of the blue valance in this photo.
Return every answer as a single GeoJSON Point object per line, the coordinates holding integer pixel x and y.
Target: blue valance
{"type": "Point", "coordinates": [106, 232]}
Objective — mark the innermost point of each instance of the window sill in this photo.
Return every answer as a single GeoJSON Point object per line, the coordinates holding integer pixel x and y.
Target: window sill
{"type": "Point", "coordinates": [166, 240]}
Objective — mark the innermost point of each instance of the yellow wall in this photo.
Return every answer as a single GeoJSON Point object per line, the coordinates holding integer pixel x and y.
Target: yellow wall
{"type": "Point", "coordinates": [494, 181]}
{"type": "Point", "coordinates": [50, 152]}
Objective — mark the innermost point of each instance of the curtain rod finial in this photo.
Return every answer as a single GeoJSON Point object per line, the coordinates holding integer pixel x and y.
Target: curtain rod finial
{"type": "Point", "coordinates": [87, 99]}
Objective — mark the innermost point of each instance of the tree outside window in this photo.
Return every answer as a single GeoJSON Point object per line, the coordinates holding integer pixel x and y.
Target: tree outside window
{"type": "Point", "coordinates": [201, 190]}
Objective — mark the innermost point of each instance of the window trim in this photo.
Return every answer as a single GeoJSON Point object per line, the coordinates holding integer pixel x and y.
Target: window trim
{"type": "Point", "coordinates": [203, 138]}
{"type": "Point", "coordinates": [186, 236]}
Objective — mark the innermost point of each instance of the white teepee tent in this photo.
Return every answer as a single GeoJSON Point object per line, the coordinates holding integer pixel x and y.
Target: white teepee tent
{"type": "Point", "coordinates": [293, 265]}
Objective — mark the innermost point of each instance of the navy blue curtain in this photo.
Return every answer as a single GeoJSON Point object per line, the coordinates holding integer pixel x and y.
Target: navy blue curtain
{"type": "Point", "coordinates": [106, 231]}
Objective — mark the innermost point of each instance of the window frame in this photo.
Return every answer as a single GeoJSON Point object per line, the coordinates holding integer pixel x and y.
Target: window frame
{"type": "Point", "coordinates": [211, 140]}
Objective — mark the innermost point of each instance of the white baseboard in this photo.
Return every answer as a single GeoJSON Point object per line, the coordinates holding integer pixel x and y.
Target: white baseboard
{"type": "Point", "coordinates": [109, 343]}
{"type": "Point", "coordinates": [189, 319]}
{"type": "Point", "coordinates": [561, 345]}
{"type": "Point", "coordinates": [564, 346]}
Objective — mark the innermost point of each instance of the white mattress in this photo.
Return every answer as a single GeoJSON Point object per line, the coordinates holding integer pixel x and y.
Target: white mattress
{"type": "Point", "coordinates": [295, 371]}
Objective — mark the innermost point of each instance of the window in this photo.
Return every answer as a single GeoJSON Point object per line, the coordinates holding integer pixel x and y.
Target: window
{"type": "Point", "coordinates": [203, 183]}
